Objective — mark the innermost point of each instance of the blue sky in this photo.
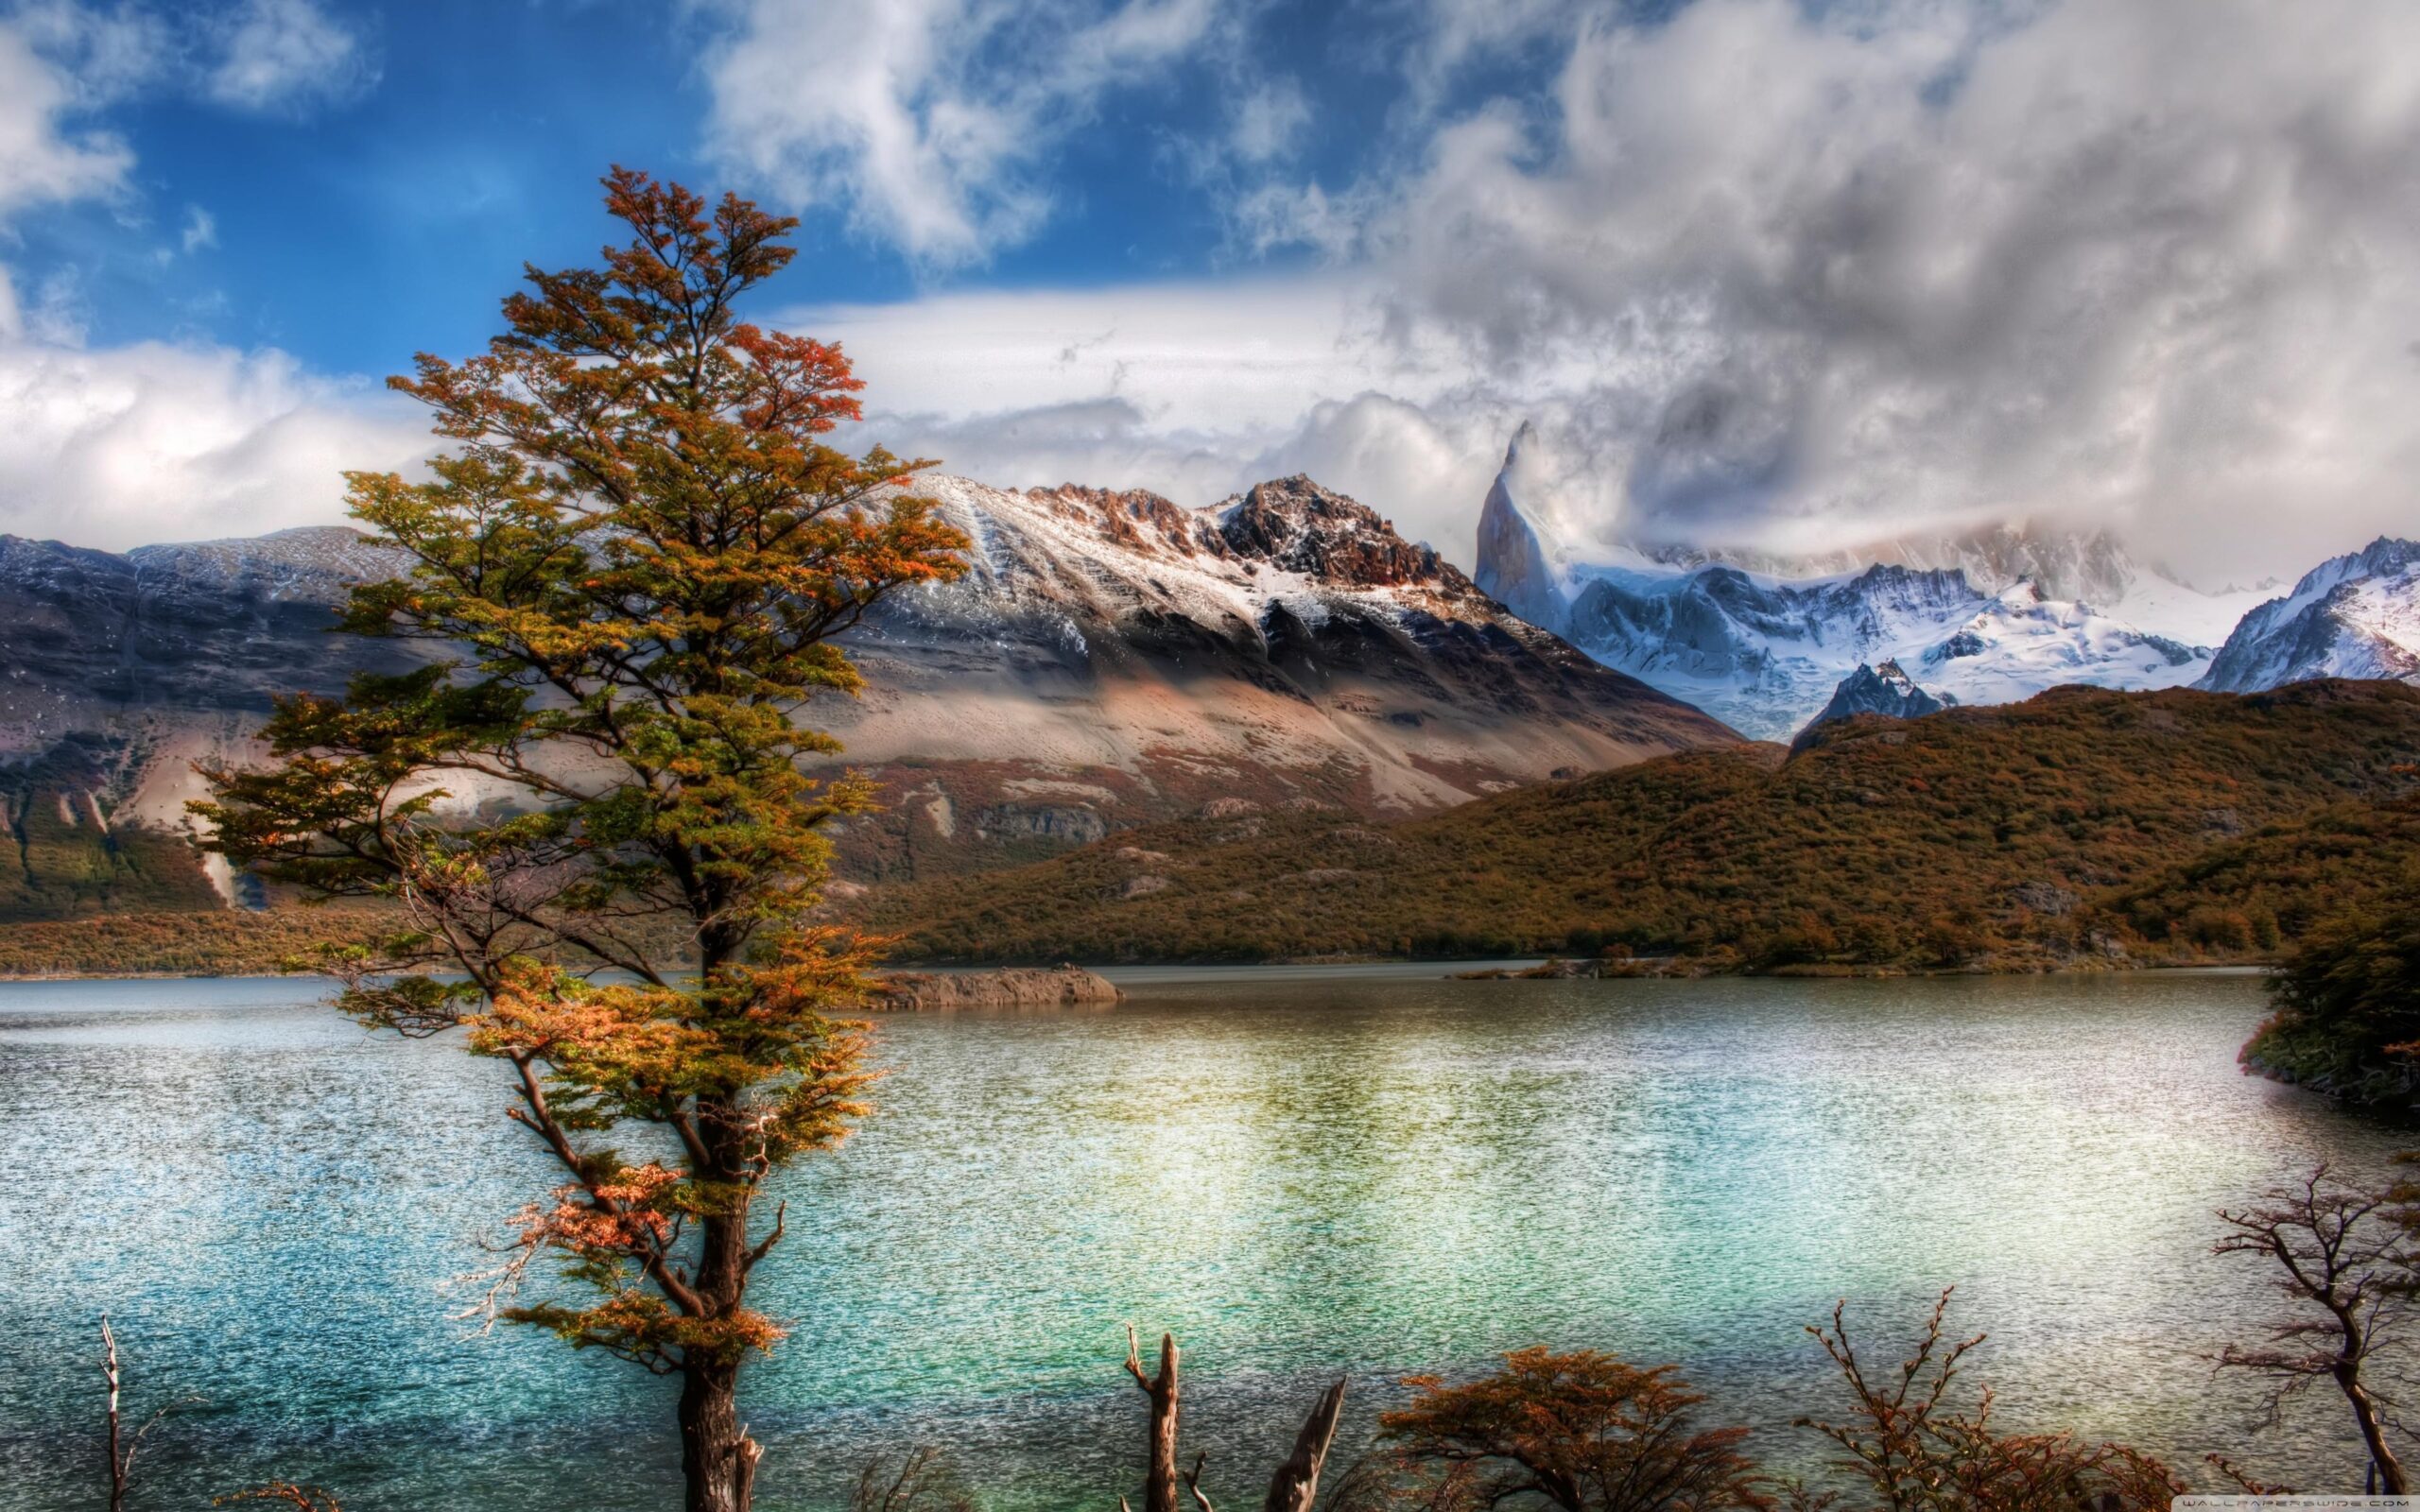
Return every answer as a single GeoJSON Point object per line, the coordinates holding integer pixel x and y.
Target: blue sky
{"type": "Point", "coordinates": [355, 227]}
{"type": "Point", "coordinates": [1796, 274]}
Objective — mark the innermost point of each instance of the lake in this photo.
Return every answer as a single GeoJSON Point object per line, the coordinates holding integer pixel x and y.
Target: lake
{"type": "Point", "coordinates": [1299, 1171]}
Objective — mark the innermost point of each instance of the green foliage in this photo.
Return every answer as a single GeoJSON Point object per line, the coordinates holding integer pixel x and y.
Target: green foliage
{"type": "Point", "coordinates": [1976, 838]}
{"type": "Point", "coordinates": [68, 861]}
{"type": "Point", "coordinates": [70, 851]}
{"type": "Point", "coordinates": [2346, 1002]}
{"type": "Point", "coordinates": [2273, 884]}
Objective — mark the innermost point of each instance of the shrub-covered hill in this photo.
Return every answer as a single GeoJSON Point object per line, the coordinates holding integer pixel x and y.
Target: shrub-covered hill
{"type": "Point", "coordinates": [222, 942]}
{"type": "Point", "coordinates": [2270, 886]}
{"type": "Point", "coordinates": [2007, 836]}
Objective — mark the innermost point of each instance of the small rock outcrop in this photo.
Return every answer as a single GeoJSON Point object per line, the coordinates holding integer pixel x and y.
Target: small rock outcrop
{"type": "Point", "coordinates": [1884, 689]}
{"type": "Point", "coordinates": [1014, 987]}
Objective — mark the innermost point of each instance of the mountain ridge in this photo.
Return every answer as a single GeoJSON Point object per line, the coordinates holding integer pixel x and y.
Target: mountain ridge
{"type": "Point", "coordinates": [1108, 658]}
{"type": "Point", "coordinates": [1760, 640]}
{"type": "Point", "coordinates": [2357, 615]}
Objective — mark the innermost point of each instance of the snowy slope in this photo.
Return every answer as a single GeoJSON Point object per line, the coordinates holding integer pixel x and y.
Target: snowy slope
{"type": "Point", "coordinates": [1111, 659]}
{"type": "Point", "coordinates": [1988, 618]}
{"type": "Point", "coordinates": [2354, 616]}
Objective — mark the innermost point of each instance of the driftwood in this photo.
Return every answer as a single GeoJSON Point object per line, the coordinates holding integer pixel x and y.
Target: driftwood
{"type": "Point", "coordinates": [117, 1458]}
{"type": "Point", "coordinates": [1293, 1488]}
{"type": "Point", "coordinates": [122, 1448]}
{"type": "Point", "coordinates": [1159, 1486]}
{"type": "Point", "coordinates": [1296, 1484]}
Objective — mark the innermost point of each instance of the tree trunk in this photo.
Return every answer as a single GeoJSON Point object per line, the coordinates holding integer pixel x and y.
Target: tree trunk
{"type": "Point", "coordinates": [1296, 1484]}
{"type": "Point", "coordinates": [717, 1456]}
{"type": "Point", "coordinates": [2365, 1413]}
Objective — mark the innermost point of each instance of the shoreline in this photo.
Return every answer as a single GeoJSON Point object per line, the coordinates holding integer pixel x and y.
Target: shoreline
{"type": "Point", "coordinates": [1503, 969]}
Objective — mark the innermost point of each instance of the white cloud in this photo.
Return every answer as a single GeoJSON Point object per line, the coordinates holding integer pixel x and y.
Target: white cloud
{"type": "Point", "coordinates": [2151, 262]}
{"type": "Point", "coordinates": [930, 119]}
{"type": "Point", "coordinates": [43, 158]}
{"type": "Point", "coordinates": [1450, 34]}
{"type": "Point", "coordinates": [1193, 389]}
{"type": "Point", "coordinates": [201, 231]}
{"type": "Point", "coordinates": [121, 446]}
{"type": "Point", "coordinates": [1797, 279]}
{"type": "Point", "coordinates": [133, 444]}
{"type": "Point", "coordinates": [283, 54]}
{"type": "Point", "coordinates": [1269, 122]}
{"type": "Point", "coordinates": [103, 55]}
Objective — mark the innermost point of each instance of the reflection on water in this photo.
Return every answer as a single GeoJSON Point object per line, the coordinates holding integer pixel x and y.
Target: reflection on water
{"type": "Point", "coordinates": [1300, 1172]}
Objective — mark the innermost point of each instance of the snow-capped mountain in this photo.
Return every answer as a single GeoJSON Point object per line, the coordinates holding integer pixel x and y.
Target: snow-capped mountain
{"type": "Point", "coordinates": [2354, 616]}
{"type": "Point", "coordinates": [1987, 618]}
{"type": "Point", "coordinates": [1885, 690]}
{"type": "Point", "coordinates": [1112, 658]}
{"type": "Point", "coordinates": [1109, 659]}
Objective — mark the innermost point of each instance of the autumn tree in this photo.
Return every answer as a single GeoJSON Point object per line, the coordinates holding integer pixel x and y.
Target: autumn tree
{"type": "Point", "coordinates": [1913, 1442]}
{"type": "Point", "coordinates": [1584, 1431]}
{"type": "Point", "coordinates": [628, 573]}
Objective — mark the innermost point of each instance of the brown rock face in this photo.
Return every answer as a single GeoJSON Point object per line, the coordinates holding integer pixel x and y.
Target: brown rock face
{"type": "Point", "coordinates": [1295, 524]}
{"type": "Point", "coordinates": [1134, 517]}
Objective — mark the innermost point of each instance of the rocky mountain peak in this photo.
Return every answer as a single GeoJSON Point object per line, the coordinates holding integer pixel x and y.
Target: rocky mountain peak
{"type": "Point", "coordinates": [2357, 615]}
{"type": "Point", "coordinates": [1512, 564]}
{"type": "Point", "coordinates": [1136, 518]}
{"type": "Point", "coordinates": [1296, 526]}
{"type": "Point", "coordinates": [1886, 690]}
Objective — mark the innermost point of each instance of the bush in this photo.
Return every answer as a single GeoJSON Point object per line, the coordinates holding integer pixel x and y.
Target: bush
{"type": "Point", "coordinates": [2347, 1008]}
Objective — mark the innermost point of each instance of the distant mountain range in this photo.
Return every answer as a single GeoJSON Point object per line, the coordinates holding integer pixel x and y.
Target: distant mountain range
{"type": "Point", "coordinates": [1763, 642]}
{"type": "Point", "coordinates": [1109, 659]}
{"type": "Point", "coordinates": [1113, 660]}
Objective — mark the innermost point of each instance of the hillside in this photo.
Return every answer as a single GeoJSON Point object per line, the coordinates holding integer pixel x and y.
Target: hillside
{"type": "Point", "coordinates": [1975, 837]}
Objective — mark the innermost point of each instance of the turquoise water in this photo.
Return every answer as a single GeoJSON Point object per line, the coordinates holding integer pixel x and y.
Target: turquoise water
{"type": "Point", "coordinates": [1301, 1173]}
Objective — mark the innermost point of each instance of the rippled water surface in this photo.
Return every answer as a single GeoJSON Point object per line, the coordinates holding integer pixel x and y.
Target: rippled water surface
{"type": "Point", "coordinates": [1301, 1173]}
